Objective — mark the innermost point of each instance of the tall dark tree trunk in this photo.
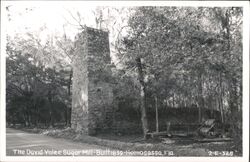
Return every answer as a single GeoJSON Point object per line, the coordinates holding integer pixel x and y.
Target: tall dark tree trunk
{"type": "Point", "coordinates": [144, 119]}
{"type": "Point", "coordinates": [68, 110]}
{"type": "Point", "coordinates": [233, 104]}
{"type": "Point", "coordinates": [173, 100]}
{"type": "Point", "coordinates": [232, 80]}
{"type": "Point", "coordinates": [200, 97]}
{"type": "Point", "coordinates": [156, 114]}
{"type": "Point", "coordinates": [36, 115]}
{"type": "Point", "coordinates": [221, 107]}
{"type": "Point", "coordinates": [51, 124]}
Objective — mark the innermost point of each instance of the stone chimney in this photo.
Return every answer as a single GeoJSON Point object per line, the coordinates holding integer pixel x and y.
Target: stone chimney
{"type": "Point", "coordinates": [92, 95]}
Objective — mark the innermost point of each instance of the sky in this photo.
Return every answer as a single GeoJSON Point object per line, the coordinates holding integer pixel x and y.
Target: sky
{"type": "Point", "coordinates": [31, 17]}
{"type": "Point", "coordinates": [58, 17]}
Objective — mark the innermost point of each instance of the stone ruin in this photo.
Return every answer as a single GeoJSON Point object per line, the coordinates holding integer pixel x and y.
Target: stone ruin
{"type": "Point", "coordinates": [93, 106]}
{"type": "Point", "coordinates": [92, 95]}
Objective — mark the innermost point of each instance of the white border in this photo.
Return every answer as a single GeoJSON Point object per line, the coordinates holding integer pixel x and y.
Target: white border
{"type": "Point", "coordinates": [2, 85]}
{"type": "Point", "coordinates": [246, 19]}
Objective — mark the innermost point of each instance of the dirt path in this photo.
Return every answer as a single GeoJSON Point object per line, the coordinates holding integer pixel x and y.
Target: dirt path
{"type": "Point", "coordinates": [22, 144]}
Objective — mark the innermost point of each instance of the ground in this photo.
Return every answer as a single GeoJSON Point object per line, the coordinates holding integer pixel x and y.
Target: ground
{"type": "Point", "coordinates": [194, 148]}
{"type": "Point", "coordinates": [70, 143]}
{"type": "Point", "coordinates": [33, 144]}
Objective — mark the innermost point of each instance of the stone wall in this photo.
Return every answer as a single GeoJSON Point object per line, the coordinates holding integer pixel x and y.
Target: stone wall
{"type": "Point", "coordinates": [92, 90]}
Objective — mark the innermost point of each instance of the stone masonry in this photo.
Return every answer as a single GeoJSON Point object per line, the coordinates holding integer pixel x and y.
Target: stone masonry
{"type": "Point", "coordinates": [92, 91]}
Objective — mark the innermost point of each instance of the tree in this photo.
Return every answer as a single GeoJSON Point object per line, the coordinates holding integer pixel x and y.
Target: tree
{"type": "Point", "coordinates": [181, 53]}
{"type": "Point", "coordinates": [33, 80]}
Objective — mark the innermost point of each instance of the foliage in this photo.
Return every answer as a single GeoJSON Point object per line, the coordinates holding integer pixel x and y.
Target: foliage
{"type": "Point", "coordinates": [190, 56]}
{"type": "Point", "coordinates": [184, 56]}
{"type": "Point", "coordinates": [36, 82]}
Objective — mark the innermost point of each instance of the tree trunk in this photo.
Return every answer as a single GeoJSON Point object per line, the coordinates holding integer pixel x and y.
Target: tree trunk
{"type": "Point", "coordinates": [156, 115]}
{"type": "Point", "coordinates": [68, 110]}
{"type": "Point", "coordinates": [221, 100]}
{"type": "Point", "coordinates": [173, 100]}
{"type": "Point", "coordinates": [50, 109]}
{"type": "Point", "coordinates": [200, 97]}
{"type": "Point", "coordinates": [233, 97]}
{"type": "Point", "coordinates": [144, 119]}
{"type": "Point", "coordinates": [36, 115]}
